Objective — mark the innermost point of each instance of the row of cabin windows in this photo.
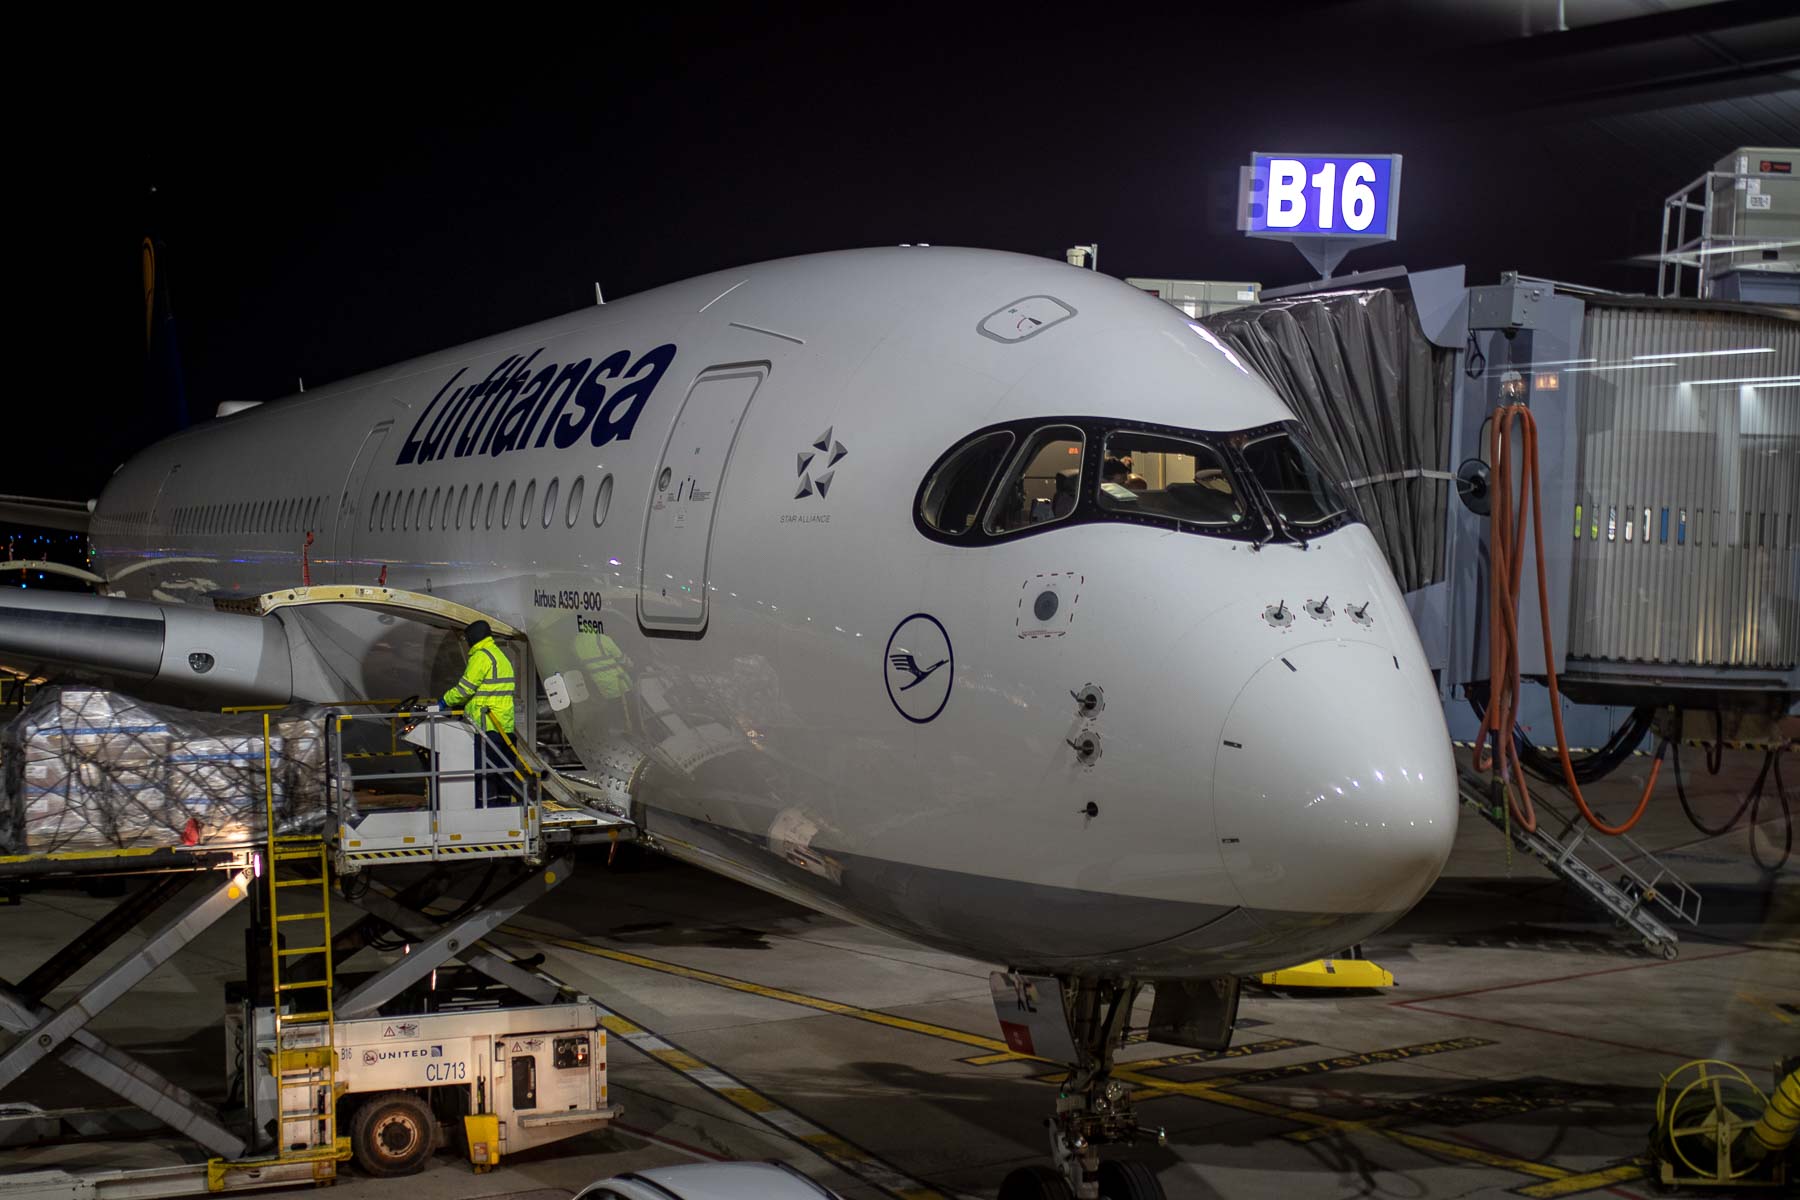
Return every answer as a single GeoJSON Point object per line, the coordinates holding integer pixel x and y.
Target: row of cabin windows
{"type": "Point", "coordinates": [486, 507]}
{"type": "Point", "coordinates": [293, 514]}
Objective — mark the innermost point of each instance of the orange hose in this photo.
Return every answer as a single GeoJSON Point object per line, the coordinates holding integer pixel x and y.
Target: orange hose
{"type": "Point", "coordinates": [1506, 562]}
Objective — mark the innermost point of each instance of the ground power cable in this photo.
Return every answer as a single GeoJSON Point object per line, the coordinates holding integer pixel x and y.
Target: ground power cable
{"type": "Point", "coordinates": [1514, 438]}
{"type": "Point", "coordinates": [1751, 806]}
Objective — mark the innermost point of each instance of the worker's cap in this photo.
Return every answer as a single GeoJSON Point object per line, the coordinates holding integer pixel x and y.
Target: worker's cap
{"type": "Point", "coordinates": [476, 631]}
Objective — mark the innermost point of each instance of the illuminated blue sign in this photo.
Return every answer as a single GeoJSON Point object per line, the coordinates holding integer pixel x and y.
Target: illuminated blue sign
{"type": "Point", "coordinates": [1323, 196]}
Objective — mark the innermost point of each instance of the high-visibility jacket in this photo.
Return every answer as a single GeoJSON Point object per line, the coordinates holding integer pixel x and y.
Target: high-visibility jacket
{"type": "Point", "coordinates": [485, 691]}
{"type": "Point", "coordinates": [604, 663]}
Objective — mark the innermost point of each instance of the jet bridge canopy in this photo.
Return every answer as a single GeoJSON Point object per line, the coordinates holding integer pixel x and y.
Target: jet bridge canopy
{"type": "Point", "coordinates": [415, 606]}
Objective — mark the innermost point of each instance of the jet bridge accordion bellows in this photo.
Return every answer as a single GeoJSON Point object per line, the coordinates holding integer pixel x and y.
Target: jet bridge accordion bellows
{"type": "Point", "coordinates": [1686, 535]}
{"type": "Point", "coordinates": [1374, 395]}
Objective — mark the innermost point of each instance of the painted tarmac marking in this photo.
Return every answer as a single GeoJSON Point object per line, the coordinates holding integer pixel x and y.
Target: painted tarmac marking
{"type": "Point", "coordinates": [942, 1032]}
{"type": "Point", "coordinates": [844, 1155]}
{"type": "Point", "coordinates": [1337, 1062]}
{"type": "Point", "coordinates": [1589, 1181]}
{"type": "Point", "coordinates": [1266, 1046]}
{"type": "Point", "coordinates": [1212, 1092]}
{"type": "Point", "coordinates": [1419, 1004]}
{"type": "Point", "coordinates": [841, 1153]}
{"type": "Point", "coordinates": [1466, 1107]}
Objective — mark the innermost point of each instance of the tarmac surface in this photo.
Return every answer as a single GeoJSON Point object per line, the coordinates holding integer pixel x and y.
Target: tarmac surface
{"type": "Point", "coordinates": [1519, 1053]}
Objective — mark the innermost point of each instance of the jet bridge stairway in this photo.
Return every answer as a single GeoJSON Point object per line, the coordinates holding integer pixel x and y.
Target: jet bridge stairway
{"type": "Point", "coordinates": [1640, 887]}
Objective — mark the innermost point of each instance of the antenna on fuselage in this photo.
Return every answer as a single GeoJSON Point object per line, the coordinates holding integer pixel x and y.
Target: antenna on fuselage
{"type": "Point", "coordinates": [301, 380]}
{"type": "Point", "coordinates": [598, 298]}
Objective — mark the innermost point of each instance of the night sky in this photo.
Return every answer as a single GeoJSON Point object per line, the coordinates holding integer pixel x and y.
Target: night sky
{"type": "Point", "coordinates": [334, 199]}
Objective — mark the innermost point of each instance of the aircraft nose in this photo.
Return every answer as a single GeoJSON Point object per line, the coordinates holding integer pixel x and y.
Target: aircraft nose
{"type": "Point", "coordinates": [1335, 790]}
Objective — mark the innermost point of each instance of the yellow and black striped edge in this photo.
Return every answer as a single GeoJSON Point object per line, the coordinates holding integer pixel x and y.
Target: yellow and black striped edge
{"type": "Point", "coordinates": [447, 848]}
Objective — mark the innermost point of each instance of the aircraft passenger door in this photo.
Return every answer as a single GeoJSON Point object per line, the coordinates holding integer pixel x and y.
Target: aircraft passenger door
{"type": "Point", "coordinates": [685, 497]}
{"type": "Point", "coordinates": [351, 507]}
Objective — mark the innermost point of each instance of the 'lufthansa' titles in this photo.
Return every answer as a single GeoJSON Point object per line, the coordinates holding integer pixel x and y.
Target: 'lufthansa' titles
{"type": "Point", "coordinates": [524, 405]}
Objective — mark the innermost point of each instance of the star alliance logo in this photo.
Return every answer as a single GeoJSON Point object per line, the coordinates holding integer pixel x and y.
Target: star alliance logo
{"type": "Point", "coordinates": [834, 451]}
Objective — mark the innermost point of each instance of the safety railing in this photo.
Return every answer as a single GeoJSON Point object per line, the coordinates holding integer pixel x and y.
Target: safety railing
{"type": "Point", "coordinates": [470, 795]}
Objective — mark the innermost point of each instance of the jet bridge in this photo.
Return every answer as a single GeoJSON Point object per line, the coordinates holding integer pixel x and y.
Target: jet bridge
{"type": "Point", "coordinates": [1663, 441]}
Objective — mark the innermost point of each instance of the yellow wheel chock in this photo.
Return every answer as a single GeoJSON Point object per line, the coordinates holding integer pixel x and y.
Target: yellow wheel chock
{"type": "Point", "coordinates": [1330, 973]}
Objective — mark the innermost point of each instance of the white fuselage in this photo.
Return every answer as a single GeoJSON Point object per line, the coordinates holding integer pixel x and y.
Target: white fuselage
{"type": "Point", "coordinates": [1264, 791]}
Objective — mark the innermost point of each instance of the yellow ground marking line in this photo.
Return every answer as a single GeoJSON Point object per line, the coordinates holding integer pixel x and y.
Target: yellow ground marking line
{"type": "Point", "coordinates": [942, 1032]}
{"type": "Point", "coordinates": [1195, 1058]}
{"type": "Point", "coordinates": [844, 1155]}
{"type": "Point", "coordinates": [1128, 1072]}
{"type": "Point", "coordinates": [1768, 1006]}
{"type": "Point", "coordinates": [1215, 1094]}
{"type": "Point", "coordinates": [1623, 1173]}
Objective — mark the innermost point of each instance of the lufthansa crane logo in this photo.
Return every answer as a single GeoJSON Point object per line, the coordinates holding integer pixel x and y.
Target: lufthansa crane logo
{"type": "Point", "coordinates": [920, 667]}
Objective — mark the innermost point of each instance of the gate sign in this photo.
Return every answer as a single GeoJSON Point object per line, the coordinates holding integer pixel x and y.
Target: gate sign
{"type": "Point", "coordinates": [1323, 196]}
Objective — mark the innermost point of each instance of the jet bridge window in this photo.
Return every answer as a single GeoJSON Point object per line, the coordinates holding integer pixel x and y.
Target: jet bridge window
{"type": "Point", "coordinates": [1296, 486]}
{"type": "Point", "coordinates": [1043, 483]}
{"type": "Point", "coordinates": [1150, 475]}
{"type": "Point", "coordinates": [952, 500]}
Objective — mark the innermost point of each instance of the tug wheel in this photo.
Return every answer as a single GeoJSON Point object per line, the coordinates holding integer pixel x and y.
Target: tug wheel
{"type": "Point", "coordinates": [393, 1134]}
{"type": "Point", "coordinates": [1035, 1183]}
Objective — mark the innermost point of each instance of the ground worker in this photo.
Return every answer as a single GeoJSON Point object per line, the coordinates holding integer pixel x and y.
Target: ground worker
{"type": "Point", "coordinates": [485, 694]}
{"type": "Point", "coordinates": [608, 668]}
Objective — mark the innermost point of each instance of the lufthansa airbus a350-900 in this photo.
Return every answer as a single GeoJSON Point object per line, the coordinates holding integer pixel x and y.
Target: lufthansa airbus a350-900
{"type": "Point", "coordinates": [972, 596]}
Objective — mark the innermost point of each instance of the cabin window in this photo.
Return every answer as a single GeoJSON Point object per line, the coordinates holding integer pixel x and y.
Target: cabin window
{"type": "Point", "coordinates": [406, 518]}
{"type": "Point", "coordinates": [953, 499]}
{"type": "Point", "coordinates": [512, 490]}
{"type": "Point", "coordinates": [527, 504]}
{"type": "Point", "coordinates": [462, 505]}
{"type": "Point", "coordinates": [550, 503]}
{"type": "Point", "coordinates": [1149, 475]}
{"type": "Point", "coordinates": [493, 494]}
{"type": "Point", "coordinates": [602, 501]}
{"type": "Point", "coordinates": [1298, 490]}
{"type": "Point", "coordinates": [1044, 482]}
{"type": "Point", "coordinates": [475, 509]}
{"type": "Point", "coordinates": [575, 490]}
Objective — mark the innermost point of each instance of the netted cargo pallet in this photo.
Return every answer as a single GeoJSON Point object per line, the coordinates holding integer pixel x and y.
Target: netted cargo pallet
{"type": "Point", "coordinates": [89, 770]}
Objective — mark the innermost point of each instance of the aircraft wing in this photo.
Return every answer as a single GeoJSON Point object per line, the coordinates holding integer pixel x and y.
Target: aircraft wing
{"type": "Point", "coordinates": [44, 514]}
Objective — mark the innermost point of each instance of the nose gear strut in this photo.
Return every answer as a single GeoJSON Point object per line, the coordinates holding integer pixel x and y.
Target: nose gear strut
{"type": "Point", "coordinates": [1092, 1108]}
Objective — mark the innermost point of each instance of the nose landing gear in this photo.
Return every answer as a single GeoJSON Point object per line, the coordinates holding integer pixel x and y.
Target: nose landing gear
{"type": "Point", "coordinates": [1092, 1108]}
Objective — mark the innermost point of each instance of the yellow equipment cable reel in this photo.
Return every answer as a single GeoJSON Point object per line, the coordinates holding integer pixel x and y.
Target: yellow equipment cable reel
{"type": "Point", "coordinates": [1702, 1111]}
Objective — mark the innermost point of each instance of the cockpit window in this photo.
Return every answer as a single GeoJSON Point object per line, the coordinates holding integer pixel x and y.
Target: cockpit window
{"type": "Point", "coordinates": [952, 500]}
{"type": "Point", "coordinates": [1297, 488]}
{"type": "Point", "coordinates": [1043, 483]}
{"type": "Point", "coordinates": [1147, 474]}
